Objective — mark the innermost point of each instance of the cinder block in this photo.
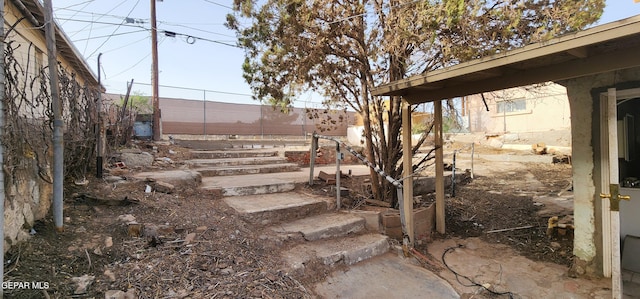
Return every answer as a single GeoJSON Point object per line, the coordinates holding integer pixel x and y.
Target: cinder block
{"type": "Point", "coordinates": [390, 219]}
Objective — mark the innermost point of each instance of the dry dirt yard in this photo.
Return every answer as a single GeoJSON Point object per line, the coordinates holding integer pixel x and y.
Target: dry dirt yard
{"type": "Point", "coordinates": [194, 246]}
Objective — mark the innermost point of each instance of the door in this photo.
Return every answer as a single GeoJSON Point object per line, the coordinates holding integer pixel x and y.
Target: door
{"type": "Point", "coordinates": [610, 195]}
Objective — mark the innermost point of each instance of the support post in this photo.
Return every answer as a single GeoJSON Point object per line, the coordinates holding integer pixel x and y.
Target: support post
{"type": "Point", "coordinates": [312, 156]}
{"type": "Point", "coordinates": [440, 212]}
{"type": "Point", "coordinates": [99, 147]}
{"type": "Point", "coordinates": [407, 166]}
{"type": "Point", "coordinates": [338, 202]}
{"type": "Point", "coordinates": [56, 106]}
{"type": "Point", "coordinates": [157, 133]}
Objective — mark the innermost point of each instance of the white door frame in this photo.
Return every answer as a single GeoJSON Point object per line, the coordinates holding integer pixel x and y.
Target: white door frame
{"type": "Point", "coordinates": [609, 164]}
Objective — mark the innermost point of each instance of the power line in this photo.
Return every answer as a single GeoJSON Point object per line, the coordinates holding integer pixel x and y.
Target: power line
{"type": "Point", "coordinates": [218, 4]}
{"type": "Point", "coordinates": [136, 64]}
{"type": "Point", "coordinates": [126, 45]}
{"type": "Point", "coordinates": [110, 35]}
{"type": "Point", "coordinates": [199, 89]}
{"type": "Point", "coordinates": [97, 14]}
{"type": "Point", "coordinates": [193, 28]}
{"type": "Point", "coordinates": [114, 31]}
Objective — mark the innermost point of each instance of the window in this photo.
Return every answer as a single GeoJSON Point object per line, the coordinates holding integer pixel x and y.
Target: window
{"type": "Point", "coordinates": [509, 106]}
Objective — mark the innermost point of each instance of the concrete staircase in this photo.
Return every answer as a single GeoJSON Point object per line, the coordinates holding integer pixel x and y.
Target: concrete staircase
{"type": "Point", "coordinates": [259, 186]}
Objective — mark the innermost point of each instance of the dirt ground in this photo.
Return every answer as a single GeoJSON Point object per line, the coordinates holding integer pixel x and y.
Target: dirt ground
{"type": "Point", "coordinates": [196, 247]}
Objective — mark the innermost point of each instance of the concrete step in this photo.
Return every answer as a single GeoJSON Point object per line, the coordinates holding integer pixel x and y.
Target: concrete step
{"type": "Point", "coordinates": [250, 184]}
{"type": "Point", "coordinates": [232, 154]}
{"type": "Point", "coordinates": [248, 169]}
{"type": "Point", "coordinates": [274, 208]}
{"type": "Point", "coordinates": [179, 178]}
{"type": "Point", "coordinates": [323, 226]}
{"type": "Point", "coordinates": [348, 250]}
{"type": "Point", "coordinates": [199, 163]}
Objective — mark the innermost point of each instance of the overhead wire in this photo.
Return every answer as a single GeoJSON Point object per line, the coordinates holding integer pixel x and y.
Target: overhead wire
{"type": "Point", "coordinates": [218, 4]}
{"type": "Point", "coordinates": [193, 28]}
{"type": "Point", "coordinates": [110, 35]}
{"type": "Point", "coordinates": [86, 3]}
{"type": "Point", "coordinates": [136, 64]}
{"type": "Point", "coordinates": [112, 9]}
{"type": "Point", "coordinates": [127, 45]}
{"type": "Point", "coordinates": [114, 31]}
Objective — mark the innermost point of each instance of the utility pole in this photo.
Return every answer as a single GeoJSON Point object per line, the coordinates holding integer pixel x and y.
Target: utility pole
{"type": "Point", "coordinates": [58, 148]}
{"type": "Point", "coordinates": [157, 133]}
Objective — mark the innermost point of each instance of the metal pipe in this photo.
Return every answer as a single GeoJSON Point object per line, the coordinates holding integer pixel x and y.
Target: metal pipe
{"type": "Point", "coordinates": [453, 175]}
{"type": "Point", "coordinates": [99, 147]}
{"type": "Point", "coordinates": [58, 138]}
{"type": "Point", "coordinates": [2, 121]}
{"type": "Point", "coordinates": [312, 157]}
{"type": "Point", "coordinates": [204, 113]}
{"type": "Point", "coordinates": [338, 203]}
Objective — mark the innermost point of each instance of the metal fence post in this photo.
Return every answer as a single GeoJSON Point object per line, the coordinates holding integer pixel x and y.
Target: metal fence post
{"type": "Point", "coordinates": [312, 156]}
{"type": "Point", "coordinates": [338, 203]}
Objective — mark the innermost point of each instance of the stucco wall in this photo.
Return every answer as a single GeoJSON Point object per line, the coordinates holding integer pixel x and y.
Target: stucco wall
{"type": "Point", "coordinates": [547, 108]}
{"type": "Point", "coordinates": [584, 100]}
{"type": "Point", "coordinates": [27, 169]}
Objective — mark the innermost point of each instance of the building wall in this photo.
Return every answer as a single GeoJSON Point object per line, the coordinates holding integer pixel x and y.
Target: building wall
{"type": "Point", "coordinates": [28, 182]}
{"type": "Point", "coordinates": [546, 108]}
{"type": "Point", "coordinates": [584, 102]}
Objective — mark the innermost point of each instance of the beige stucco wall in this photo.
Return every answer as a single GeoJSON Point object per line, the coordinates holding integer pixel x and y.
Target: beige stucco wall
{"type": "Point", "coordinates": [547, 108]}
{"type": "Point", "coordinates": [584, 102]}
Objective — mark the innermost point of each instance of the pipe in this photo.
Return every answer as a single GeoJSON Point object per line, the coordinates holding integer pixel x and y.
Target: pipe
{"type": "Point", "coordinates": [312, 157]}
{"type": "Point", "coordinates": [58, 135]}
{"type": "Point", "coordinates": [99, 147]}
{"type": "Point", "coordinates": [338, 202]}
{"type": "Point", "coordinates": [453, 176]}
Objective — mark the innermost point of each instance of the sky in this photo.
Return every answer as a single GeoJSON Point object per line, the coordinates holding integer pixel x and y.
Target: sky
{"type": "Point", "coordinates": [201, 58]}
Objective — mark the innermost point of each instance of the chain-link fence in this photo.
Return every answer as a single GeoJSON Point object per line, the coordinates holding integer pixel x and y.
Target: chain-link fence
{"type": "Point", "coordinates": [193, 117]}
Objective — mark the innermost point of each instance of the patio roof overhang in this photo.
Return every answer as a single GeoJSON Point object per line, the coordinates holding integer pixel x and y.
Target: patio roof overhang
{"type": "Point", "coordinates": [603, 48]}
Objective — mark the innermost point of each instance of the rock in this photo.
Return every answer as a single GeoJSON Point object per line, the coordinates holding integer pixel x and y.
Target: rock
{"type": "Point", "coordinates": [555, 245]}
{"type": "Point", "coordinates": [81, 229]}
{"type": "Point", "coordinates": [189, 238]}
{"type": "Point", "coordinates": [496, 143]}
{"type": "Point", "coordinates": [539, 148]}
{"type": "Point", "coordinates": [114, 294]}
{"type": "Point", "coordinates": [97, 251]}
{"type": "Point", "coordinates": [128, 218]}
{"type": "Point", "coordinates": [83, 282]}
{"type": "Point", "coordinates": [150, 230]}
{"type": "Point", "coordinates": [113, 179]}
{"type": "Point", "coordinates": [108, 242]}
{"type": "Point", "coordinates": [109, 274]}
{"type": "Point", "coordinates": [164, 187]}
{"type": "Point", "coordinates": [201, 229]}
{"type": "Point", "coordinates": [135, 160]}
